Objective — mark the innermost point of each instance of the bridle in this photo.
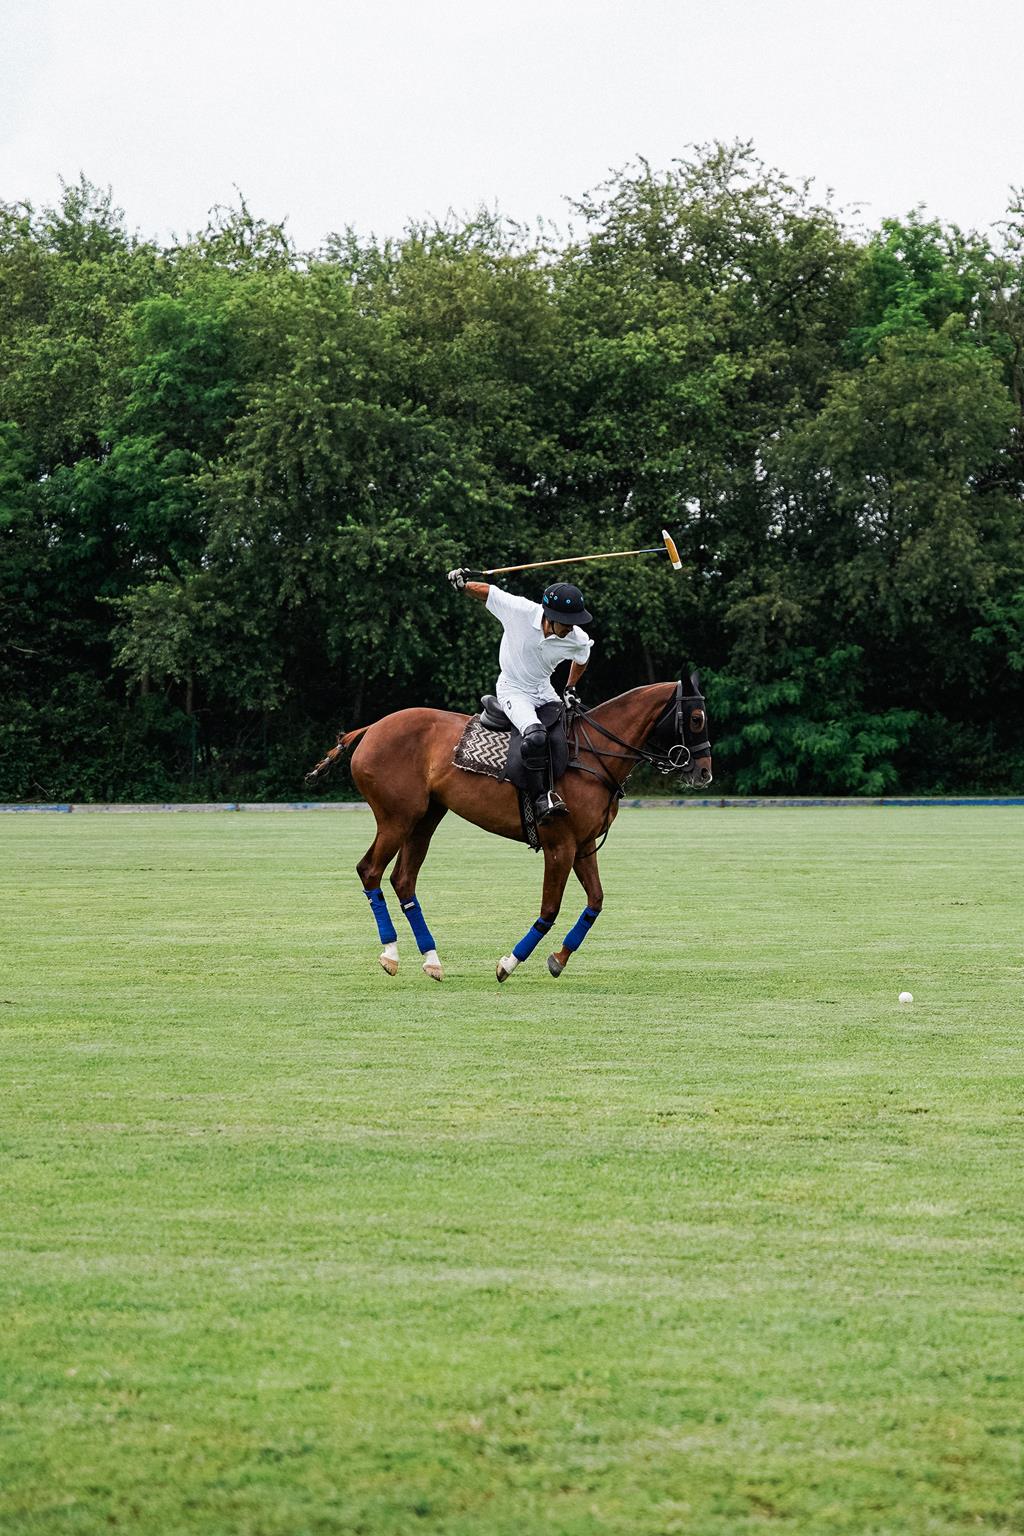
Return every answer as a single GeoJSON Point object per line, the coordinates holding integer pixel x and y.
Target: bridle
{"type": "Point", "coordinates": [684, 721]}
{"type": "Point", "coordinates": [687, 718]}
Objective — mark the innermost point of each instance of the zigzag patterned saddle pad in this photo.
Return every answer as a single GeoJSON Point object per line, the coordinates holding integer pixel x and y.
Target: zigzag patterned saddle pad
{"type": "Point", "coordinates": [481, 750]}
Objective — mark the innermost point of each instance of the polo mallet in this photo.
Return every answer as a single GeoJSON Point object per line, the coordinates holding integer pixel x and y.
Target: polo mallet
{"type": "Point", "coordinates": [666, 547]}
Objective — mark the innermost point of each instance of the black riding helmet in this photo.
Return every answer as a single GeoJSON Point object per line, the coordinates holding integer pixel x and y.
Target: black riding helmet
{"type": "Point", "coordinates": [563, 604]}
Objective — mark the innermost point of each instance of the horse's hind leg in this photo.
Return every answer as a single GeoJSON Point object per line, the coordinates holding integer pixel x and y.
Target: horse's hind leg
{"type": "Point", "coordinates": [403, 879]}
{"type": "Point", "coordinates": [370, 870]}
{"type": "Point", "coordinates": [586, 873]}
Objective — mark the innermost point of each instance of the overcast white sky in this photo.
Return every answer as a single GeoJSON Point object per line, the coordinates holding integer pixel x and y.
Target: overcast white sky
{"type": "Point", "coordinates": [368, 112]}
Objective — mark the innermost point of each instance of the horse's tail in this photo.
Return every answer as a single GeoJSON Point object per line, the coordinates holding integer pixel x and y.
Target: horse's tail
{"type": "Point", "coordinates": [327, 763]}
{"type": "Point", "coordinates": [351, 736]}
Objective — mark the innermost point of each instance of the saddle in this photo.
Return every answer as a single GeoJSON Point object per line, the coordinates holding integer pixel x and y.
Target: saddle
{"type": "Point", "coordinates": [495, 746]}
{"type": "Point", "coordinates": [553, 719]}
{"type": "Point", "coordinates": [491, 745]}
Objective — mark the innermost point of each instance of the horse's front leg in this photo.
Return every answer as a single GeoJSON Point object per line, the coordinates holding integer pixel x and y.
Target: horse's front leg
{"type": "Point", "coordinates": [586, 873]}
{"type": "Point", "coordinates": [558, 857]}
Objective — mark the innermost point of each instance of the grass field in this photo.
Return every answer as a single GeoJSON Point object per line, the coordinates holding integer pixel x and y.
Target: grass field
{"type": "Point", "coordinates": [710, 1236]}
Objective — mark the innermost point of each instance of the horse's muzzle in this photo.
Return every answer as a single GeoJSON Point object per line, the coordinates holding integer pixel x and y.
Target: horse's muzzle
{"type": "Point", "coordinates": [700, 773]}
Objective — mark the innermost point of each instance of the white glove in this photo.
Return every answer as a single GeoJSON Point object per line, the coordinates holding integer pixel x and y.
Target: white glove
{"type": "Point", "coordinates": [458, 578]}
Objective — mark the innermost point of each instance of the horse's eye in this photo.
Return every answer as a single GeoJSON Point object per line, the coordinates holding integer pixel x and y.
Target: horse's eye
{"type": "Point", "coordinates": [697, 720]}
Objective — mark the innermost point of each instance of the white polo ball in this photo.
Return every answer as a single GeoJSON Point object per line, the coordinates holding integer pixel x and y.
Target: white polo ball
{"type": "Point", "coordinates": [906, 997]}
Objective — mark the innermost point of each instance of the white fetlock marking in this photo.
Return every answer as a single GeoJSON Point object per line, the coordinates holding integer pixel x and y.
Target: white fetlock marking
{"type": "Point", "coordinates": [389, 959]}
{"type": "Point", "coordinates": [508, 964]}
{"type": "Point", "coordinates": [432, 964]}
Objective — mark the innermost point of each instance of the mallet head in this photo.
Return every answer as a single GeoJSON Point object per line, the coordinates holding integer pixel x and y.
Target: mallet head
{"type": "Point", "coordinates": [670, 547]}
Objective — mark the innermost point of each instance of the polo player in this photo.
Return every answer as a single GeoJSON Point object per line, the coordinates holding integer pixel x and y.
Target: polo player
{"type": "Point", "coordinates": [537, 638]}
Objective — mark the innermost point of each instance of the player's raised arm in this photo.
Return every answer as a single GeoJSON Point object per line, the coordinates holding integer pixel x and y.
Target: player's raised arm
{"type": "Point", "coordinates": [460, 580]}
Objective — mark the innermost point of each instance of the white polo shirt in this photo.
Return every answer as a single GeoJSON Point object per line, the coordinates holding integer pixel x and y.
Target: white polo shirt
{"type": "Point", "coordinates": [527, 656]}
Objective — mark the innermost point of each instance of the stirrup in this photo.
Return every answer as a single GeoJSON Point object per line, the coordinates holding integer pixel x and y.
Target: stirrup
{"type": "Point", "coordinates": [548, 805]}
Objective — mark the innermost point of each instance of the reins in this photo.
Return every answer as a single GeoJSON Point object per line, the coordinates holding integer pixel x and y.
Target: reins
{"type": "Point", "coordinates": [674, 760]}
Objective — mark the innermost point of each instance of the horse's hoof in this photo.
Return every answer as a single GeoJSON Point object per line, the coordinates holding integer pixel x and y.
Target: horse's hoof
{"type": "Point", "coordinates": [506, 965]}
{"type": "Point", "coordinates": [434, 971]}
{"type": "Point", "coordinates": [555, 966]}
{"type": "Point", "coordinates": [389, 965]}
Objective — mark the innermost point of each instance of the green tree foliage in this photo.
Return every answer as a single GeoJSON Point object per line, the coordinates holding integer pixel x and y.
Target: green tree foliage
{"type": "Point", "coordinates": [232, 476]}
{"type": "Point", "coordinates": [916, 275]}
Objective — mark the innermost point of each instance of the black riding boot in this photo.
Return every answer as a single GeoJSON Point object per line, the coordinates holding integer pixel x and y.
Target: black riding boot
{"type": "Point", "coordinates": [535, 762]}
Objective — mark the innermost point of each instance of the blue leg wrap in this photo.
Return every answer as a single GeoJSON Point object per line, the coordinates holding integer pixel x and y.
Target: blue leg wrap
{"type": "Point", "coordinates": [582, 926]}
{"type": "Point", "coordinates": [528, 943]}
{"type": "Point", "coordinates": [420, 932]}
{"type": "Point", "coordinates": [379, 908]}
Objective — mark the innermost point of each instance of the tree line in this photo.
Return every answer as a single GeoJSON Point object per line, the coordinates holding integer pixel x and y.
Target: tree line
{"type": "Point", "coordinates": [233, 475]}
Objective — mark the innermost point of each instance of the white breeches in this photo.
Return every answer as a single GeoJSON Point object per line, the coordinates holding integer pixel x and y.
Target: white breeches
{"type": "Point", "coordinates": [521, 708]}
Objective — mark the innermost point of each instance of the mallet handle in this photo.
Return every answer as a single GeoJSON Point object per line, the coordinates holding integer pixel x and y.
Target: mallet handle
{"type": "Point", "coordinates": [616, 554]}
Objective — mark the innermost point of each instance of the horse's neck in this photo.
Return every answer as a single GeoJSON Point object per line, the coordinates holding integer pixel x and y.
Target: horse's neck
{"type": "Point", "coordinates": [631, 716]}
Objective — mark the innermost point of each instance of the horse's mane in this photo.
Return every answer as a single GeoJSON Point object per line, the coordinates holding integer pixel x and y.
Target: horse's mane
{"type": "Point", "coordinates": [620, 698]}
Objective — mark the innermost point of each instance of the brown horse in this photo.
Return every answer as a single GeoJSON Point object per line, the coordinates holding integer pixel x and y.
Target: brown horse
{"type": "Point", "coordinates": [403, 768]}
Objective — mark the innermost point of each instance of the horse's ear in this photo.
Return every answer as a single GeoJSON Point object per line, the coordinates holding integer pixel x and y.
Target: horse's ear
{"type": "Point", "coordinates": [695, 682]}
